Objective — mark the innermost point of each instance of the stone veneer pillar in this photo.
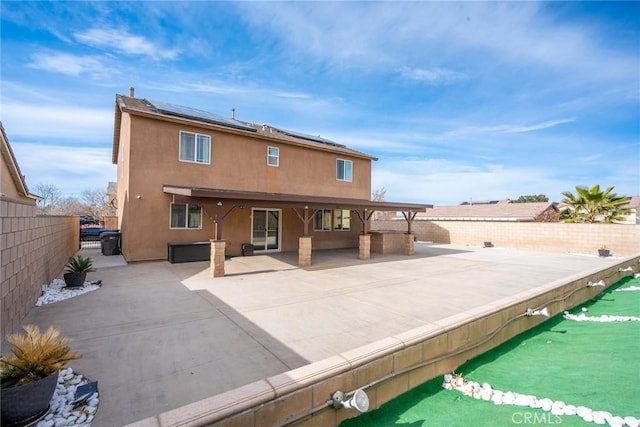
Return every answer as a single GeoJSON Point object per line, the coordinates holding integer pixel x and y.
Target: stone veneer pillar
{"type": "Point", "coordinates": [217, 258]}
{"type": "Point", "coordinates": [365, 246]}
{"type": "Point", "coordinates": [304, 251]}
{"type": "Point", "coordinates": [409, 248]}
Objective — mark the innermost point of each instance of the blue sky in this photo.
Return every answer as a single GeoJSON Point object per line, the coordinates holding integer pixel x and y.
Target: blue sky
{"type": "Point", "coordinates": [459, 101]}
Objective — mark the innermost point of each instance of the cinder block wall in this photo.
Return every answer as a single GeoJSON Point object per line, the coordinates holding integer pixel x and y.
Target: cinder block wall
{"type": "Point", "coordinates": [620, 239]}
{"type": "Point", "coordinates": [33, 251]}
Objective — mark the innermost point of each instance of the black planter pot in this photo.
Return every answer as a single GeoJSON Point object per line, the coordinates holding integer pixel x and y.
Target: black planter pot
{"type": "Point", "coordinates": [25, 404]}
{"type": "Point", "coordinates": [603, 252]}
{"type": "Point", "coordinates": [74, 280]}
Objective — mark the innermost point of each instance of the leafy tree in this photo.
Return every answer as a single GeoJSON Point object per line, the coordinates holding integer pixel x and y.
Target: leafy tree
{"type": "Point", "coordinates": [531, 199]}
{"type": "Point", "coordinates": [594, 205]}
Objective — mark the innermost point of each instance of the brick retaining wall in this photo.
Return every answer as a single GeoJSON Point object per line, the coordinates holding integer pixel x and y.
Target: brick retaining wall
{"type": "Point", "coordinates": [621, 240]}
{"type": "Point", "coordinates": [33, 251]}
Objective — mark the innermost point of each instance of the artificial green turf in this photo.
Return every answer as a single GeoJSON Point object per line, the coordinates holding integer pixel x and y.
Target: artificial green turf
{"type": "Point", "coordinates": [581, 363]}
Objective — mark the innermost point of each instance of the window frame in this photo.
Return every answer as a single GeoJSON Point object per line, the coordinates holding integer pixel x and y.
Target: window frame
{"type": "Point", "coordinates": [271, 156]}
{"type": "Point", "coordinates": [344, 170]}
{"type": "Point", "coordinates": [341, 212]}
{"type": "Point", "coordinates": [186, 216]}
{"type": "Point", "coordinates": [196, 141]}
{"type": "Point", "coordinates": [324, 213]}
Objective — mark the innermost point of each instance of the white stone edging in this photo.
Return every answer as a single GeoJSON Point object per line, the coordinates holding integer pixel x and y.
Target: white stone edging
{"type": "Point", "coordinates": [57, 291]}
{"type": "Point", "coordinates": [498, 397]}
{"type": "Point", "coordinates": [605, 318]}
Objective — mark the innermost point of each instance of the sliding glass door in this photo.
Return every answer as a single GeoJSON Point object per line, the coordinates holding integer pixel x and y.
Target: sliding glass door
{"type": "Point", "coordinates": [265, 230]}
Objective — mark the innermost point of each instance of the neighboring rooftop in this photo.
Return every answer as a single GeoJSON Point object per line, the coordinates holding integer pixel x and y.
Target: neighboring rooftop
{"type": "Point", "coordinates": [504, 210]}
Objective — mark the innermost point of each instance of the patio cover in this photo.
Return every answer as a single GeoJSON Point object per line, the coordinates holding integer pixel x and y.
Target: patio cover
{"type": "Point", "coordinates": [304, 205]}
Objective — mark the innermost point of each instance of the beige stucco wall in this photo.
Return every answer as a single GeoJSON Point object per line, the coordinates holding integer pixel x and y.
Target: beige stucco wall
{"type": "Point", "coordinates": [7, 185]}
{"type": "Point", "coordinates": [622, 240]}
{"type": "Point", "coordinates": [148, 159]}
{"type": "Point", "coordinates": [33, 251]}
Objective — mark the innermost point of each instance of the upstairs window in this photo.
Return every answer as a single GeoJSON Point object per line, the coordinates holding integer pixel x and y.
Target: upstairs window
{"type": "Point", "coordinates": [342, 219]}
{"type": "Point", "coordinates": [344, 170]}
{"type": "Point", "coordinates": [273, 156]}
{"type": "Point", "coordinates": [195, 147]}
{"type": "Point", "coordinates": [322, 220]}
{"type": "Point", "coordinates": [186, 216]}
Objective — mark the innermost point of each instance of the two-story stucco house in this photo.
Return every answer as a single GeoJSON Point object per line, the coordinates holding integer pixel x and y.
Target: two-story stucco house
{"type": "Point", "coordinates": [186, 175]}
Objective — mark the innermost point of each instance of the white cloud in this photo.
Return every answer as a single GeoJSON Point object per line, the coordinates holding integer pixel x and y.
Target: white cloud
{"type": "Point", "coordinates": [508, 128]}
{"type": "Point", "coordinates": [119, 40]}
{"type": "Point", "coordinates": [56, 121]}
{"type": "Point", "coordinates": [446, 182]}
{"type": "Point", "coordinates": [69, 64]}
{"type": "Point", "coordinates": [534, 127]}
{"type": "Point", "coordinates": [373, 34]}
{"type": "Point", "coordinates": [71, 169]}
{"type": "Point", "coordinates": [433, 75]}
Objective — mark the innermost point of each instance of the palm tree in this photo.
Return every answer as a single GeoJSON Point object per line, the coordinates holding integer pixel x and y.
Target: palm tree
{"type": "Point", "coordinates": [594, 205]}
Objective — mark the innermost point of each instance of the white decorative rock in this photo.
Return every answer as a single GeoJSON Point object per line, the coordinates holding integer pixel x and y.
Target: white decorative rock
{"type": "Point", "coordinates": [93, 402]}
{"type": "Point", "coordinates": [557, 408]}
{"type": "Point", "coordinates": [582, 410]}
{"type": "Point", "coordinates": [618, 421]}
{"type": "Point", "coordinates": [588, 417]}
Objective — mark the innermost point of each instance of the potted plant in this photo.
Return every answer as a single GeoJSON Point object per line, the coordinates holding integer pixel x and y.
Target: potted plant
{"type": "Point", "coordinates": [30, 375]}
{"type": "Point", "coordinates": [603, 251]}
{"type": "Point", "coordinates": [76, 271]}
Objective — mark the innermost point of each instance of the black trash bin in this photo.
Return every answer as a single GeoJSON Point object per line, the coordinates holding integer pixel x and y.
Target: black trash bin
{"type": "Point", "coordinates": [247, 249]}
{"type": "Point", "coordinates": [110, 243]}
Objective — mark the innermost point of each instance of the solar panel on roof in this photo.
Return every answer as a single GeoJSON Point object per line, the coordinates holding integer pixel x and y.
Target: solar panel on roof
{"type": "Point", "coordinates": [309, 137]}
{"type": "Point", "coordinates": [194, 113]}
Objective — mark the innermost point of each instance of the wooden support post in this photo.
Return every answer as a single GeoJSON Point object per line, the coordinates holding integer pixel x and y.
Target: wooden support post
{"type": "Point", "coordinates": [365, 218]}
{"type": "Point", "coordinates": [409, 217]}
{"type": "Point", "coordinates": [306, 219]}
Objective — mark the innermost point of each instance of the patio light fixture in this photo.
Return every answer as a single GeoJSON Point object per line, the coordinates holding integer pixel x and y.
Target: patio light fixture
{"type": "Point", "coordinates": [357, 400]}
{"type": "Point", "coordinates": [625, 269]}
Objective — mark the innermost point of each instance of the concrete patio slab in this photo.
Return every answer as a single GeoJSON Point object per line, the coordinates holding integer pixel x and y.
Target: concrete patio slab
{"type": "Point", "coordinates": [157, 335]}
